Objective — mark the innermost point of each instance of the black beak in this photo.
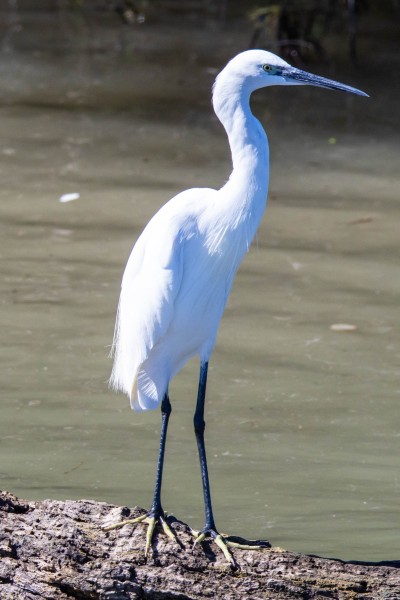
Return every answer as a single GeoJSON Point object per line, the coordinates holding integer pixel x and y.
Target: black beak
{"type": "Point", "coordinates": [302, 77]}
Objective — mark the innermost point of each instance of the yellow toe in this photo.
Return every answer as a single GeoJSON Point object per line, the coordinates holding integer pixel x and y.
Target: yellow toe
{"type": "Point", "coordinates": [151, 521]}
{"type": "Point", "coordinates": [221, 543]}
{"type": "Point", "coordinates": [127, 522]}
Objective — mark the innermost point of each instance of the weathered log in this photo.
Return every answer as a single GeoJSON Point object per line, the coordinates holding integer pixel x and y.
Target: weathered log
{"type": "Point", "coordinates": [53, 549]}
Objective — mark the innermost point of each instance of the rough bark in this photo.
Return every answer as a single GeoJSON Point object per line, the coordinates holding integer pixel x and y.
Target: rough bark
{"type": "Point", "coordinates": [54, 549]}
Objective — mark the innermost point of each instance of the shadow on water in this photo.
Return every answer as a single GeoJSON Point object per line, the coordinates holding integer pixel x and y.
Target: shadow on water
{"type": "Point", "coordinates": [302, 419]}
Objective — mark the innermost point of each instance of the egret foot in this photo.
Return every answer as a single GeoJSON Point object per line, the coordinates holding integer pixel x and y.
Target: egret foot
{"type": "Point", "coordinates": [225, 542]}
{"type": "Point", "coordinates": [152, 518]}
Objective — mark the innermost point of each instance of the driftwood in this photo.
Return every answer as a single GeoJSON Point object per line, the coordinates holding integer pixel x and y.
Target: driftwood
{"type": "Point", "coordinates": [54, 549]}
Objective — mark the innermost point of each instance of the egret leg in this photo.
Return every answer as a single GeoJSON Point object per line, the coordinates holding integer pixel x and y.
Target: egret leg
{"type": "Point", "coordinates": [199, 427]}
{"type": "Point", "coordinates": [156, 513]}
{"type": "Point", "coordinates": [209, 529]}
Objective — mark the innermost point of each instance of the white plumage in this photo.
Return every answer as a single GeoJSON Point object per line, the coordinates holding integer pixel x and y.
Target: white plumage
{"type": "Point", "coordinates": [181, 270]}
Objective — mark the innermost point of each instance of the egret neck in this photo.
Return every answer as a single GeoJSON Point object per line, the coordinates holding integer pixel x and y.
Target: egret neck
{"type": "Point", "coordinates": [246, 190]}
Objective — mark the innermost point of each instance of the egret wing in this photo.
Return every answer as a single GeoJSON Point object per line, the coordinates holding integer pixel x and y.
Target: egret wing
{"type": "Point", "coordinates": [150, 286]}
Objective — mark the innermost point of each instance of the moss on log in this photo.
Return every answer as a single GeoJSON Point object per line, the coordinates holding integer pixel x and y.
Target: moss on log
{"type": "Point", "coordinates": [53, 549]}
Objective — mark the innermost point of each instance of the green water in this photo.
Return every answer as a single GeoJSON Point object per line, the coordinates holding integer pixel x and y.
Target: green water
{"type": "Point", "coordinates": [302, 421]}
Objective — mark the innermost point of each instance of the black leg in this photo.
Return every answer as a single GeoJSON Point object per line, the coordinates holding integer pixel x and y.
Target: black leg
{"type": "Point", "coordinates": [156, 509]}
{"type": "Point", "coordinates": [199, 427]}
{"type": "Point", "coordinates": [156, 513]}
{"type": "Point", "coordinates": [209, 528]}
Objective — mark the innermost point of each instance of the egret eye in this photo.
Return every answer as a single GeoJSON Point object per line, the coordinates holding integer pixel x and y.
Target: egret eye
{"type": "Point", "coordinates": [267, 68]}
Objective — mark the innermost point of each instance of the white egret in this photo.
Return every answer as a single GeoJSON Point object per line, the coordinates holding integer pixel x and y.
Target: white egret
{"type": "Point", "coordinates": [181, 269]}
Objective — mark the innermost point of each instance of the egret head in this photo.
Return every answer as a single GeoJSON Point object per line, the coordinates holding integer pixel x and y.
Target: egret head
{"type": "Point", "coordinates": [258, 68]}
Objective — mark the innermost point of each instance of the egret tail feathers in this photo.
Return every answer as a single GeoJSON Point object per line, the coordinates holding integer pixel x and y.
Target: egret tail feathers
{"type": "Point", "coordinates": [133, 396]}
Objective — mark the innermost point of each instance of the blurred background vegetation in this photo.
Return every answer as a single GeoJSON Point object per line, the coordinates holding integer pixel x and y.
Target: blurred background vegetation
{"type": "Point", "coordinates": [301, 31]}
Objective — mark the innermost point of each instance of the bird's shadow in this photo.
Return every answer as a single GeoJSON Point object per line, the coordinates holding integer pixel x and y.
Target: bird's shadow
{"type": "Point", "coordinates": [207, 545]}
{"type": "Point", "coordinates": [394, 564]}
{"type": "Point", "coordinates": [257, 544]}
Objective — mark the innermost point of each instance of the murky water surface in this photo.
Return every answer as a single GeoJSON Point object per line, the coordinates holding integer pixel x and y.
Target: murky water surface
{"type": "Point", "coordinates": [302, 421]}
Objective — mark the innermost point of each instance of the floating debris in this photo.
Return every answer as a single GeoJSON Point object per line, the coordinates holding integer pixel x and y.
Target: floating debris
{"type": "Point", "coordinates": [361, 221]}
{"type": "Point", "coordinates": [343, 327]}
{"type": "Point", "coordinates": [69, 197]}
{"type": "Point", "coordinates": [8, 151]}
